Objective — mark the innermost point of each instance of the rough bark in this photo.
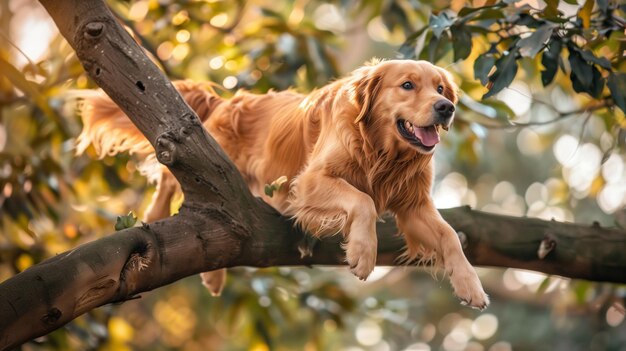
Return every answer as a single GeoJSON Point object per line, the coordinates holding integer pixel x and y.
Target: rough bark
{"type": "Point", "coordinates": [220, 223]}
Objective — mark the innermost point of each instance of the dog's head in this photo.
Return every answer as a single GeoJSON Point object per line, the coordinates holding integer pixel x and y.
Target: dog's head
{"type": "Point", "coordinates": [404, 103]}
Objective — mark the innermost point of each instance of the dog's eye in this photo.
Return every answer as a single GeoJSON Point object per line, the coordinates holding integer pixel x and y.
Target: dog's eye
{"type": "Point", "coordinates": [407, 85]}
{"type": "Point", "coordinates": [440, 89]}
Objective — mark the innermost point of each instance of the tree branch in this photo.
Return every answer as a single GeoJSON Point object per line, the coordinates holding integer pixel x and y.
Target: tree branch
{"type": "Point", "coordinates": [126, 263]}
{"type": "Point", "coordinates": [221, 224]}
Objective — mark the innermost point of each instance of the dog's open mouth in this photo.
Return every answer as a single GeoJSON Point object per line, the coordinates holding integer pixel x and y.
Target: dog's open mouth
{"type": "Point", "coordinates": [424, 138]}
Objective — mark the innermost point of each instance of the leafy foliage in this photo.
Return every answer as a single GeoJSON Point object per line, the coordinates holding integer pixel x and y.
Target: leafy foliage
{"type": "Point", "coordinates": [124, 222]}
{"type": "Point", "coordinates": [513, 31]}
{"type": "Point", "coordinates": [275, 186]}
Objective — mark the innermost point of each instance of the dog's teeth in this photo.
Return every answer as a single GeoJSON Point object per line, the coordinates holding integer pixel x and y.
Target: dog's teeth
{"type": "Point", "coordinates": [408, 126]}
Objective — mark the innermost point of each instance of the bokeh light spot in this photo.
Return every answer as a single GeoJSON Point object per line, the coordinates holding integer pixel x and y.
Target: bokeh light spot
{"type": "Point", "coordinates": [219, 20]}
{"type": "Point", "coordinates": [368, 333]}
{"type": "Point", "coordinates": [217, 62]}
{"type": "Point", "coordinates": [230, 82]}
{"type": "Point", "coordinates": [420, 346]}
{"type": "Point", "coordinates": [138, 11]}
{"type": "Point", "coordinates": [183, 36]}
{"type": "Point", "coordinates": [164, 51]}
{"type": "Point", "coordinates": [615, 315]}
{"type": "Point", "coordinates": [485, 326]}
{"type": "Point", "coordinates": [529, 142]}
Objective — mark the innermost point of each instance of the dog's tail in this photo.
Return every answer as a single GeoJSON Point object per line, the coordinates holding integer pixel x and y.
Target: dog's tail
{"type": "Point", "coordinates": [110, 131]}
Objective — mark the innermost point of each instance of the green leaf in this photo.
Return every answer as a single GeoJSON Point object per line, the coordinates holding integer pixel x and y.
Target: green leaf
{"type": "Point", "coordinates": [528, 21]}
{"type": "Point", "coordinates": [531, 45]}
{"type": "Point", "coordinates": [440, 23]}
{"type": "Point", "coordinates": [550, 60]}
{"type": "Point", "coordinates": [407, 52]}
{"type": "Point", "coordinates": [414, 44]}
{"type": "Point", "coordinates": [617, 86]}
{"type": "Point", "coordinates": [580, 69]}
{"type": "Point", "coordinates": [506, 69]}
{"type": "Point", "coordinates": [551, 9]}
{"type": "Point", "coordinates": [269, 191]}
{"type": "Point", "coordinates": [489, 14]}
{"type": "Point", "coordinates": [275, 186]}
{"type": "Point", "coordinates": [594, 88]}
{"type": "Point", "coordinates": [482, 67]}
{"type": "Point", "coordinates": [590, 57]}
{"type": "Point", "coordinates": [438, 47]}
{"type": "Point", "coordinates": [470, 10]}
{"type": "Point", "coordinates": [578, 86]}
{"type": "Point", "coordinates": [123, 222]}
{"type": "Point", "coordinates": [597, 83]}
{"type": "Point", "coordinates": [461, 42]}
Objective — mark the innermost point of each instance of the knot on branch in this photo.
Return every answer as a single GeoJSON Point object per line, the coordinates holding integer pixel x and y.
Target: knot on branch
{"type": "Point", "coordinates": [166, 150]}
{"type": "Point", "coordinates": [51, 316]}
{"type": "Point", "coordinates": [138, 260]}
{"type": "Point", "coordinates": [93, 30]}
{"type": "Point", "coordinates": [192, 120]}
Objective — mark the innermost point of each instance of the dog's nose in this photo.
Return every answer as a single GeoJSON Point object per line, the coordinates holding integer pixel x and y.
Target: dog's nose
{"type": "Point", "coordinates": [444, 108]}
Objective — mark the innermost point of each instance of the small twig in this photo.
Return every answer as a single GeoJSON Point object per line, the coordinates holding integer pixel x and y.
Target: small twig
{"type": "Point", "coordinates": [5, 37]}
{"type": "Point", "coordinates": [561, 116]}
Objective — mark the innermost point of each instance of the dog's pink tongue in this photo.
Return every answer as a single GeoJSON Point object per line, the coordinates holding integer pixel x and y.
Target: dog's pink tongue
{"type": "Point", "coordinates": [427, 135]}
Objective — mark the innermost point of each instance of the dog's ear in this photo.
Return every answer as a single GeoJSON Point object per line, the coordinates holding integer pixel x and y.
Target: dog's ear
{"type": "Point", "coordinates": [366, 89]}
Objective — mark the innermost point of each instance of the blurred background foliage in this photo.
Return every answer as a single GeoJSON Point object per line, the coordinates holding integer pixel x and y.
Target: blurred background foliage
{"type": "Point", "coordinates": [540, 132]}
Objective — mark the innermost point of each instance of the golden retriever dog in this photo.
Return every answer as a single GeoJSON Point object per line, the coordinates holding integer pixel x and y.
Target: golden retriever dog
{"type": "Point", "coordinates": [351, 150]}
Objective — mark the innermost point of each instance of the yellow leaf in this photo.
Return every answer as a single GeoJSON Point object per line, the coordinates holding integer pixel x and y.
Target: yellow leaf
{"type": "Point", "coordinates": [585, 13]}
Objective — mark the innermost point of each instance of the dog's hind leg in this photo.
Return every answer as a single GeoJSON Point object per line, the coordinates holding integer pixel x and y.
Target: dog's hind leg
{"type": "Point", "coordinates": [214, 281]}
{"type": "Point", "coordinates": [159, 208]}
{"type": "Point", "coordinates": [166, 188]}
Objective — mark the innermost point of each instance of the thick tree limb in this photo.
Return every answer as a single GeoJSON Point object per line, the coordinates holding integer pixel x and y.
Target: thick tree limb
{"type": "Point", "coordinates": [48, 295]}
{"type": "Point", "coordinates": [221, 224]}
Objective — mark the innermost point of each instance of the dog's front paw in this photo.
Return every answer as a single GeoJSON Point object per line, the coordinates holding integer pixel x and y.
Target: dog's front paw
{"type": "Point", "coordinates": [361, 257]}
{"type": "Point", "coordinates": [468, 289]}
